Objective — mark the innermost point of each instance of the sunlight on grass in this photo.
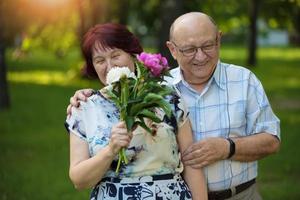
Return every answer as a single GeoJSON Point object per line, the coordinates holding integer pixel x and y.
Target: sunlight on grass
{"type": "Point", "coordinates": [43, 77]}
{"type": "Point", "coordinates": [283, 54]}
{"type": "Point", "coordinates": [233, 53]}
{"type": "Point", "coordinates": [283, 83]}
{"type": "Point", "coordinates": [293, 82]}
{"type": "Point", "coordinates": [39, 77]}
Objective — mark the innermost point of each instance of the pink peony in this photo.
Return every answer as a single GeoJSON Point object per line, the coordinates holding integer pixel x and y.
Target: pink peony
{"type": "Point", "coordinates": [154, 62]}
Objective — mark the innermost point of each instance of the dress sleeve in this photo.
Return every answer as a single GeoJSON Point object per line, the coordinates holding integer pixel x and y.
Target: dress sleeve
{"type": "Point", "coordinates": [180, 110]}
{"type": "Point", "coordinates": [75, 123]}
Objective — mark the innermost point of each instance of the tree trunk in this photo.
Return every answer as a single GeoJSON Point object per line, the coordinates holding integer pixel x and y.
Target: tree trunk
{"type": "Point", "coordinates": [82, 25]}
{"type": "Point", "coordinates": [4, 95]}
{"type": "Point", "coordinates": [169, 11]}
{"type": "Point", "coordinates": [123, 11]}
{"type": "Point", "coordinates": [253, 11]}
{"type": "Point", "coordinates": [295, 35]}
{"type": "Point", "coordinates": [98, 11]}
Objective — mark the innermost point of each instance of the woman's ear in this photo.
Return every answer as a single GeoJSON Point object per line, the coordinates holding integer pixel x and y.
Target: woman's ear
{"type": "Point", "coordinates": [172, 49]}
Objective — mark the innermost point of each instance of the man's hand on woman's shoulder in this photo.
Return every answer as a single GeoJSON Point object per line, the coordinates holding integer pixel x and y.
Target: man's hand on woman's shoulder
{"type": "Point", "coordinates": [80, 95]}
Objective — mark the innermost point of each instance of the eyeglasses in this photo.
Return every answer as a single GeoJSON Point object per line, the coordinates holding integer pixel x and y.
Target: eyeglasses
{"type": "Point", "coordinates": [192, 50]}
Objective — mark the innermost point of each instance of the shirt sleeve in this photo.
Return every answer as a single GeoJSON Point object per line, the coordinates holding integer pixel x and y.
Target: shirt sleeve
{"type": "Point", "coordinates": [75, 123]}
{"type": "Point", "coordinates": [260, 116]}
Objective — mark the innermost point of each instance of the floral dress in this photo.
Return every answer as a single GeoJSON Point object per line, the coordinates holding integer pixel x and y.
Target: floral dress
{"type": "Point", "coordinates": [154, 167]}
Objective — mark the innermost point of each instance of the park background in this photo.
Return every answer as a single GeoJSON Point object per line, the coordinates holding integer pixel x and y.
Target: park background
{"type": "Point", "coordinates": [40, 66]}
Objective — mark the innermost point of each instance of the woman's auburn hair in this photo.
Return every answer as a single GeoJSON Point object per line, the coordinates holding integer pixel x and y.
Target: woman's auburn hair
{"type": "Point", "coordinates": [108, 36]}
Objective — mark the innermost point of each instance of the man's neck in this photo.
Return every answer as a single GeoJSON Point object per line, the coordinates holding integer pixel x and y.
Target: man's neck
{"type": "Point", "coordinates": [198, 86]}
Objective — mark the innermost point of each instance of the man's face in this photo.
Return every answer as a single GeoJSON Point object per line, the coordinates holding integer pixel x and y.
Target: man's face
{"type": "Point", "coordinates": [197, 53]}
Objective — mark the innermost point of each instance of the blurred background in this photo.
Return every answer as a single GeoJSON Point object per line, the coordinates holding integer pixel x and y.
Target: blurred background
{"type": "Point", "coordinates": [40, 68]}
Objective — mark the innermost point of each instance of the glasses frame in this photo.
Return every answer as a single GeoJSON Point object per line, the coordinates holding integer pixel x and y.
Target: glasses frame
{"type": "Point", "coordinates": [200, 47]}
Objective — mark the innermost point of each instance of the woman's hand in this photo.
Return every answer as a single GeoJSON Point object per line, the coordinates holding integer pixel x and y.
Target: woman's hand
{"type": "Point", "coordinates": [119, 137]}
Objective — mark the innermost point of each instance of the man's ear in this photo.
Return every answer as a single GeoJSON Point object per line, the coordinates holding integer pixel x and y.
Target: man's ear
{"type": "Point", "coordinates": [220, 37]}
{"type": "Point", "coordinates": [172, 49]}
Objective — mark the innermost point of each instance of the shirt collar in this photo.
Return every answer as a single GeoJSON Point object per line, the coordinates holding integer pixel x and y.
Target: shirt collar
{"type": "Point", "coordinates": [218, 76]}
{"type": "Point", "coordinates": [176, 76]}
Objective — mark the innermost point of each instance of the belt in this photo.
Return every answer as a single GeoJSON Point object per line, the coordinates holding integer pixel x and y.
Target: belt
{"type": "Point", "coordinates": [141, 178]}
{"type": "Point", "coordinates": [224, 194]}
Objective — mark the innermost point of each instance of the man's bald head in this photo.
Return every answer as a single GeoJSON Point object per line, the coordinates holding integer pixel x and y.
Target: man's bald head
{"type": "Point", "coordinates": [195, 43]}
{"type": "Point", "coordinates": [191, 19]}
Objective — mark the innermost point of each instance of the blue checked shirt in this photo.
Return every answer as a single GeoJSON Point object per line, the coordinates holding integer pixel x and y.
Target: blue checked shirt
{"type": "Point", "coordinates": [232, 104]}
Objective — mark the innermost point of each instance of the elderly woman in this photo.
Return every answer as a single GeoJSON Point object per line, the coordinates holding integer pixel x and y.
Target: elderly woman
{"type": "Point", "coordinates": [97, 134]}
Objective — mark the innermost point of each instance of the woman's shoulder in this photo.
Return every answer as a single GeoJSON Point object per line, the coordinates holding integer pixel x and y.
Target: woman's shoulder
{"type": "Point", "coordinates": [97, 98]}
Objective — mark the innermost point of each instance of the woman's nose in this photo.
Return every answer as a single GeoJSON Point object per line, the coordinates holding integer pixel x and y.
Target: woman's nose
{"type": "Point", "coordinates": [110, 65]}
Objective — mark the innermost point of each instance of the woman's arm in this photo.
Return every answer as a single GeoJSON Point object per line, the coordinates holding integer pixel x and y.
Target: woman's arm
{"type": "Point", "coordinates": [86, 171]}
{"type": "Point", "coordinates": [193, 177]}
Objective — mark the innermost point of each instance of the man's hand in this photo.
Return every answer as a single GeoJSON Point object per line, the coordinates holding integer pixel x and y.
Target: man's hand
{"type": "Point", "coordinates": [80, 95]}
{"type": "Point", "coordinates": [206, 152]}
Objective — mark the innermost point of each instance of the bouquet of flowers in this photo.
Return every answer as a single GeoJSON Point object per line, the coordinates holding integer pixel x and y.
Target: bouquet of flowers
{"type": "Point", "coordinates": [136, 95]}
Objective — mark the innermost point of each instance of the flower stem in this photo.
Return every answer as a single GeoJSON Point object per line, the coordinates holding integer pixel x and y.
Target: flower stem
{"type": "Point", "coordinates": [124, 100]}
{"type": "Point", "coordinates": [119, 162]}
{"type": "Point", "coordinates": [124, 156]}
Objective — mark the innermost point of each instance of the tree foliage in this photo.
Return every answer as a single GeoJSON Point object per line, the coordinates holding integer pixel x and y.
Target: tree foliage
{"type": "Point", "coordinates": [284, 14]}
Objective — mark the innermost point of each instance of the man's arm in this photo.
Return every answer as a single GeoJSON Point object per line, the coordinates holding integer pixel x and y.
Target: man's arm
{"type": "Point", "coordinates": [255, 147]}
{"type": "Point", "coordinates": [247, 148]}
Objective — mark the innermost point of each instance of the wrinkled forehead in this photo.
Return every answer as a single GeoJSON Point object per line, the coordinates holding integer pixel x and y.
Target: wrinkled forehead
{"type": "Point", "coordinates": [194, 37]}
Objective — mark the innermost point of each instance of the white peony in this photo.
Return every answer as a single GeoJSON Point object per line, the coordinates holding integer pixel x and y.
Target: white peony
{"type": "Point", "coordinates": [116, 73]}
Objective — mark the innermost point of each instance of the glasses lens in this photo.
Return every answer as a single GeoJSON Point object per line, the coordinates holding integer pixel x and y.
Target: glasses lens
{"type": "Point", "coordinates": [208, 48]}
{"type": "Point", "coordinates": [189, 51]}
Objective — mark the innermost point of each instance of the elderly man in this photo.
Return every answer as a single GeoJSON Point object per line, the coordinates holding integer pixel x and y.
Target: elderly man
{"type": "Point", "coordinates": [233, 123]}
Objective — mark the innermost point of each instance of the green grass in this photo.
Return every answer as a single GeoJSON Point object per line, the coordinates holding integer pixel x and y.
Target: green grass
{"type": "Point", "coordinates": [34, 145]}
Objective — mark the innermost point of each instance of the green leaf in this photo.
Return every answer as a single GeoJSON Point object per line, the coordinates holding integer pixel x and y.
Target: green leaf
{"type": "Point", "coordinates": [138, 69]}
{"type": "Point", "coordinates": [129, 120]}
{"type": "Point", "coordinates": [124, 90]}
{"type": "Point", "coordinates": [150, 115]}
{"type": "Point", "coordinates": [134, 101]}
{"type": "Point", "coordinates": [114, 98]}
{"type": "Point", "coordinates": [143, 125]}
{"type": "Point", "coordinates": [138, 107]}
{"type": "Point", "coordinates": [153, 97]}
{"type": "Point", "coordinates": [166, 107]}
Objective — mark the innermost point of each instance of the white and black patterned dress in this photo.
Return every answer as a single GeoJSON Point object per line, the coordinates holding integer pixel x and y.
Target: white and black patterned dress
{"type": "Point", "coordinates": [154, 167]}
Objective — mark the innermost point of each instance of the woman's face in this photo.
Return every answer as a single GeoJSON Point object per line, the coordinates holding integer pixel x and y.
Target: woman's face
{"type": "Point", "coordinates": [105, 59]}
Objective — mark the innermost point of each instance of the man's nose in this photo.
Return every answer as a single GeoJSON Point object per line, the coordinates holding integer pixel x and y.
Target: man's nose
{"type": "Point", "coordinates": [200, 54]}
